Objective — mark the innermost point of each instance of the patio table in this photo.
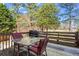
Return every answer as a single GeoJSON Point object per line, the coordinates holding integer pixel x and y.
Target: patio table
{"type": "Point", "coordinates": [26, 41]}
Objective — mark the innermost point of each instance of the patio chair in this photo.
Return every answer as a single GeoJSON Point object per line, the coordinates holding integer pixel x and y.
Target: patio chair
{"type": "Point", "coordinates": [17, 37]}
{"type": "Point", "coordinates": [38, 49]}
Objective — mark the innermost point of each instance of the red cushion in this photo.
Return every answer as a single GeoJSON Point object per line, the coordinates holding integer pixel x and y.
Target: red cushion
{"type": "Point", "coordinates": [35, 45]}
{"type": "Point", "coordinates": [33, 49]}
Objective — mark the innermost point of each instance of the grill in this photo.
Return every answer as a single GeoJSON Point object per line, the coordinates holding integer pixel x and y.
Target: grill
{"type": "Point", "coordinates": [33, 33]}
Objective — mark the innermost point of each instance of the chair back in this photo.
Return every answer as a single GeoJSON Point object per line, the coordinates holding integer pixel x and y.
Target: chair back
{"type": "Point", "coordinates": [17, 36]}
{"type": "Point", "coordinates": [42, 45]}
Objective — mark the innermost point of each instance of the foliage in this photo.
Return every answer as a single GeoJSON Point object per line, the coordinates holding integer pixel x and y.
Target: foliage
{"type": "Point", "coordinates": [46, 16]}
{"type": "Point", "coordinates": [7, 22]}
{"type": "Point", "coordinates": [32, 8]}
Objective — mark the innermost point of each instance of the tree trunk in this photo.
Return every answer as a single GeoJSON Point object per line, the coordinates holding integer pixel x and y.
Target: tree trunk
{"type": "Point", "coordinates": [70, 25]}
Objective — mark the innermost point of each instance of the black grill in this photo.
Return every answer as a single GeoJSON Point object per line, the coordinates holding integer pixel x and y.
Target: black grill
{"type": "Point", "coordinates": [33, 33]}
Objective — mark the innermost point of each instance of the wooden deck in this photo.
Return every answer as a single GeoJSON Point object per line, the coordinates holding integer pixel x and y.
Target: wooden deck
{"type": "Point", "coordinates": [52, 50]}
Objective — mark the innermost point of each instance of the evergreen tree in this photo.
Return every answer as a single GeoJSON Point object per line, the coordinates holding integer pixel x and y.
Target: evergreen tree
{"type": "Point", "coordinates": [7, 22]}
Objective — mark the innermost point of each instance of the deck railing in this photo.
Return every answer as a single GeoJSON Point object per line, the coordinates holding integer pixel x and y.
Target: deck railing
{"type": "Point", "coordinates": [5, 41]}
{"type": "Point", "coordinates": [70, 37]}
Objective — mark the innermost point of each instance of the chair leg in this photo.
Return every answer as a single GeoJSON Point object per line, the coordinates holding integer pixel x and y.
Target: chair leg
{"type": "Point", "coordinates": [28, 52]}
{"type": "Point", "coordinates": [18, 50]}
{"type": "Point", "coordinates": [38, 54]}
{"type": "Point", "coordinates": [14, 49]}
{"type": "Point", "coordinates": [45, 52]}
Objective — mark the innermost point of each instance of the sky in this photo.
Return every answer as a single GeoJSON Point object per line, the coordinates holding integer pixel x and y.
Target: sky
{"type": "Point", "coordinates": [23, 10]}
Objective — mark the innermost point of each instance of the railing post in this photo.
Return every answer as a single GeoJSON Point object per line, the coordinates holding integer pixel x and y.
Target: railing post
{"type": "Point", "coordinates": [77, 38]}
{"type": "Point", "coordinates": [58, 38]}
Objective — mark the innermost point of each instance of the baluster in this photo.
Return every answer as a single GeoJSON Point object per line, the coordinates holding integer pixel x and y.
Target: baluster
{"type": "Point", "coordinates": [0, 41]}
{"type": "Point", "coordinates": [3, 41]}
{"type": "Point", "coordinates": [9, 40]}
{"type": "Point", "coordinates": [6, 40]}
